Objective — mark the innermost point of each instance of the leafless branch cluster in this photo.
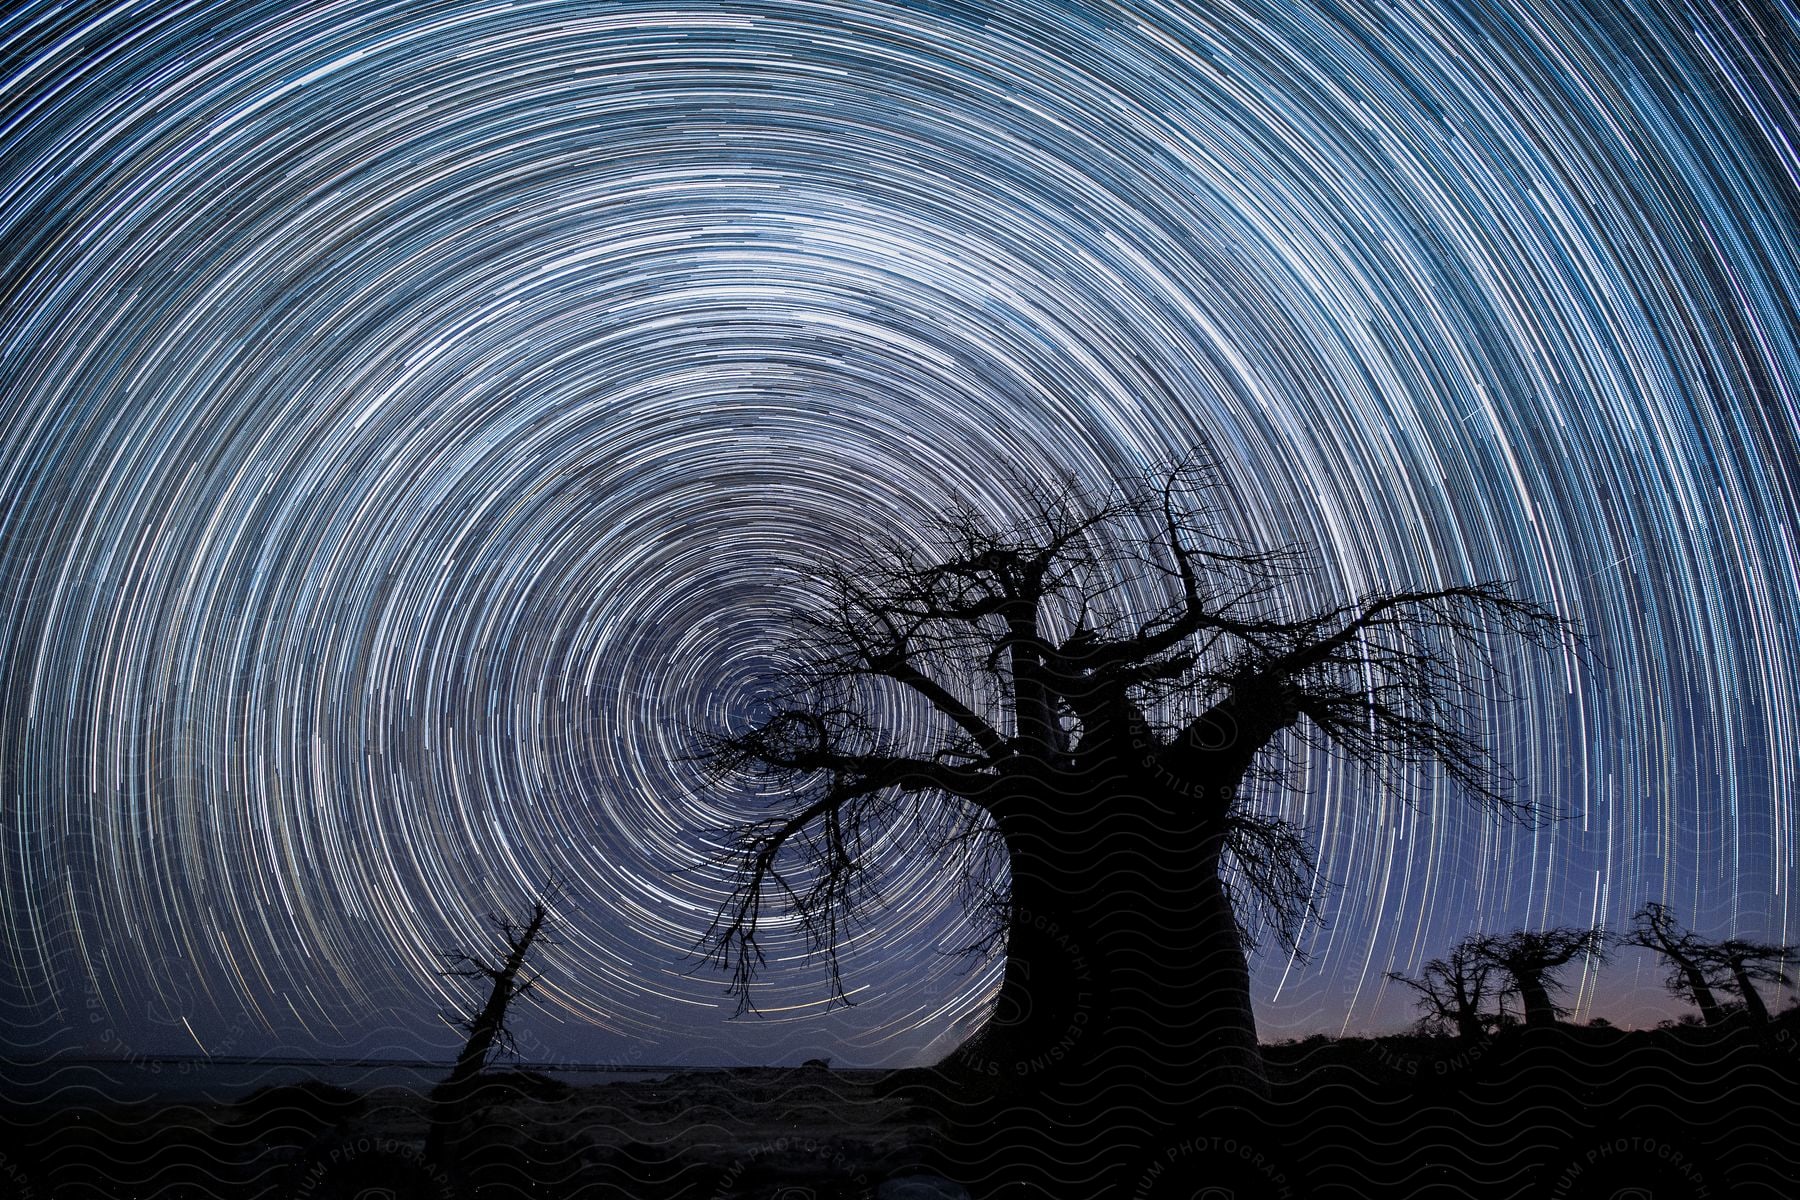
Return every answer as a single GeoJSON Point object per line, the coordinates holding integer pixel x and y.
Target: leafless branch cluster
{"type": "Point", "coordinates": [1703, 970]}
{"type": "Point", "coordinates": [1522, 964]}
{"type": "Point", "coordinates": [1455, 991]}
{"type": "Point", "coordinates": [1120, 637]}
{"type": "Point", "coordinates": [1277, 884]}
{"type": "Point", "coordinates": [487, 1026]}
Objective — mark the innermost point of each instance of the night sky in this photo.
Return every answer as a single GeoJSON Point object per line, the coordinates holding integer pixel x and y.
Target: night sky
{"type": "Point", "coordinates": [412, 414]}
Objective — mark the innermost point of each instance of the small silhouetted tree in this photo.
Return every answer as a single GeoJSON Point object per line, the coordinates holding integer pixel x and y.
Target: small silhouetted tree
{"type": "Point", "coordinates": [1746, 962]}
{"type": "Point", "coordinates": [1454, 991]}
{"type": "Point", "coordinates": [453, 1099]}
{"type": "Point", "coordinates": [1531, 958]}
{"type": "Point", "coordinates": [1654, 927]}
{"type": "Point", "coordinates": [1082, 699]}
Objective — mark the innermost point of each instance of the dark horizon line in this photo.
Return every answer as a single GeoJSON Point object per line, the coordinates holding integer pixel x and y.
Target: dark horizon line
{"type": "Point", "coordinates": [1404, 1034]}
{"type": "Point", "coordinates": [251, 1060]}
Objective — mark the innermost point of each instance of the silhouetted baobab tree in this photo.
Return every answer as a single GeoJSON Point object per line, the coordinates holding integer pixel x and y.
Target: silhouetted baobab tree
{"type": "Point", "coordinates": [1701, 969]}
{"type": "Point", "coordinates": [1654, 927]}
{"type": "Point", "coordinates": [1747, 962]}
{"type": "Point", "coordinates": [1532, 958]}
{"type": "Point", "coordinates": [1454, 991]}
{"type": "Point", "coordinates": [1085, 695]}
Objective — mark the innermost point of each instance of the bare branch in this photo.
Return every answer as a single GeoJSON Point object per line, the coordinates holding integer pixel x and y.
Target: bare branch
{"type": "Point", "coordinates": [1279, 878]}
{"type": "Point", "coordinates": [1454, 991]}
{"type": "Point", "coordinates": [1123, 638]}
{"type": "Point", "coordinates": [1533, 957]}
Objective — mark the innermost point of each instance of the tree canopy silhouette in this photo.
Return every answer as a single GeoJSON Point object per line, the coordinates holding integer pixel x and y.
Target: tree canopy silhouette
{"type": "Point", "coordinates": [1081, 700]}
{"type": "Point", "coordinates": [1745, 962]}
{"type": "Point", "coordinates": [1454, 991]}
{"type": "Point", "coordinates": [1654, 927]}
{"type": "Point", "coordinates": [1701, 970]}
{"type": "Point", "coordinates": [1532, 958]}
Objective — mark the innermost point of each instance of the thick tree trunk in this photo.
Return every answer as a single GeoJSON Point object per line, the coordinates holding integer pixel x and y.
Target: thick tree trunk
{"type": "Point", "coordinates": [1710, 1012]}
{"type": "Point", "coordinates": [1124, 1010]}
{"type": "Point", "coordinates": [1124, 968]}
{"type": "Point", "coordinates": [1539, 1011]}
{"type": "Point", "coordinates": [1753, 1003]}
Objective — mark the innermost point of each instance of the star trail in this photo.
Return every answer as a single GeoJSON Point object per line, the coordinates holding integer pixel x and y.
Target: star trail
{"type": "Point", "coordinates": [413, 416]}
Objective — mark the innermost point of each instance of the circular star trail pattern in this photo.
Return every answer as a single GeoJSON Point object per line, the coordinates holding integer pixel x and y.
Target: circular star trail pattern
{"type": "Point", "coordinates": [412, 414]}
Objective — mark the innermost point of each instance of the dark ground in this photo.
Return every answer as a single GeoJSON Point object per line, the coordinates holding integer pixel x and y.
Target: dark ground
{"type": "Point", "coordinates": [1574, 1112]}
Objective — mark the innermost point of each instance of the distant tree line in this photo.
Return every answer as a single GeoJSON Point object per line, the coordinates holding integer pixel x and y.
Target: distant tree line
{"type": "Point", "coordinates": [1471, 991]}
